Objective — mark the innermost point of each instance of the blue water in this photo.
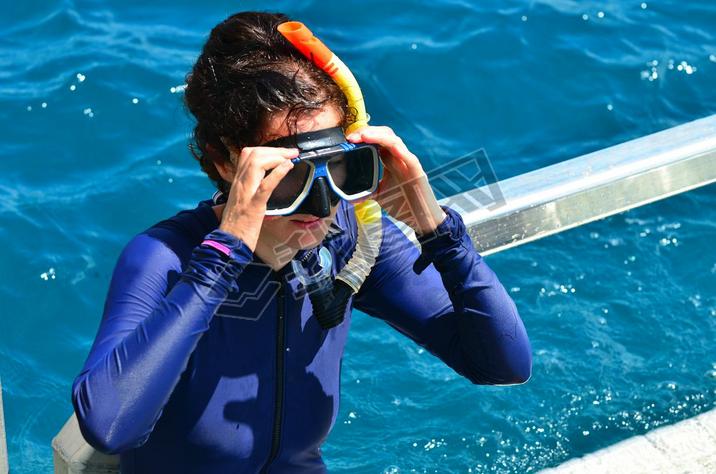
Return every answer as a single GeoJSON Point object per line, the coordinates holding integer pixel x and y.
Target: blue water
{"type": "Point", "coordinates": [621, 312]}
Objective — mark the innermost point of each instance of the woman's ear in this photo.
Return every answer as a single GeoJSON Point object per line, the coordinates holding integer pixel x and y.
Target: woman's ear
{"type": "Point", "coordinates": [226, 167]}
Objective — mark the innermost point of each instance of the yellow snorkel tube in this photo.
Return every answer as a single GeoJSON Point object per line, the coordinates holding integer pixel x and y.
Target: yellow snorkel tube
{"type": "Point", "coordinates": [368, 215]}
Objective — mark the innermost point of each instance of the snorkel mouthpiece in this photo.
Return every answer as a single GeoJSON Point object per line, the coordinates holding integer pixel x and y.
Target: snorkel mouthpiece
{"type": "Point", "coordinates": [329, 303]}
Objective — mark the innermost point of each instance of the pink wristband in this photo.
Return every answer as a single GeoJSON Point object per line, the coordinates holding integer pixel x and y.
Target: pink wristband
{"type": "Point", "coordinates": [218, 246]}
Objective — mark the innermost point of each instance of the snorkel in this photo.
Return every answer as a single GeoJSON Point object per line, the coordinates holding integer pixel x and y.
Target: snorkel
{"type": "Point", "coordinates": [329, 299]}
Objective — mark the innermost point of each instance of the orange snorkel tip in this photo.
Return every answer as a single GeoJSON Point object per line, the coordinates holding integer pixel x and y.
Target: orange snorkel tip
{"type": "Point", "coordinates": [302, 39]}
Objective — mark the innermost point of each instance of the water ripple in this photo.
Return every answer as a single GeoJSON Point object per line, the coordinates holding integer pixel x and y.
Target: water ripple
{"type": "Point", "coordinates": [95, 151]}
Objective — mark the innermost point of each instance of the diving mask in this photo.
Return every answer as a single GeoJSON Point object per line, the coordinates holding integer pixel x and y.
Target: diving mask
{"type": "Point", "coordinates": [327, 169]}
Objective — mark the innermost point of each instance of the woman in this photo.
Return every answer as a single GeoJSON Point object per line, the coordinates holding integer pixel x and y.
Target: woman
{"type": "Point", "coordinates": [214, 353]}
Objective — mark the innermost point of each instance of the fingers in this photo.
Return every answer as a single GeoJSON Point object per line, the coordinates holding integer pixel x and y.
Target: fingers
{"type": "Point", "coordinates": [383, 136]}
{"type": "Point", "coordinates": [258, 170]}
{"type": "Point", "coordinates": [269, 183]}
{"type": "Point", "coordinates": [266, 158]}
{"type": "Point", "coordinates": [255, 162]}
{"type": "Point", "coordinates": [395, 154]}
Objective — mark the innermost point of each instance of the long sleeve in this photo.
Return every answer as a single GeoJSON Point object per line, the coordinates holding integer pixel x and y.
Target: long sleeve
{"type": "Point", "coordinates": [456, 307]}
{"type": "Point", "coordinates": [148, 331]}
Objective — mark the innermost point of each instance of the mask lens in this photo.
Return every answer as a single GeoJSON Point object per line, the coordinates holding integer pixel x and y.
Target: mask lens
{"type": "Point", "coordinates": [290, 188]}
{"type": "Point", "coordinates": [353, 172]}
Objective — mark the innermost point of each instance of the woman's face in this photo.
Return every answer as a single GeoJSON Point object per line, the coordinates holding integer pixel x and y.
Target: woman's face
{"type": "Point", "coordinates": [296, 231]}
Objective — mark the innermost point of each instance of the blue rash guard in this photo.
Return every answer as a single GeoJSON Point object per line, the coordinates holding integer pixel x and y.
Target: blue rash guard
{"type": "Point", "coordinates": [205, 363]}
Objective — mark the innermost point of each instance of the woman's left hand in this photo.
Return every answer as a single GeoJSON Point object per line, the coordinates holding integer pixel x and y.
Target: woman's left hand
{"type": "Point", "coordinates": [404, 192]}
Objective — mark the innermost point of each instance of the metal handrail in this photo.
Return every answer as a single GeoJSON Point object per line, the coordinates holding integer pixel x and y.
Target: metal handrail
{"type": "Point", "coordinates": [590, 187]}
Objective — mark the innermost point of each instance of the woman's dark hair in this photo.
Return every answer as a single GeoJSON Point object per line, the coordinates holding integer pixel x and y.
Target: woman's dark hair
{"type": "Point", "coordinates": [248, 71]}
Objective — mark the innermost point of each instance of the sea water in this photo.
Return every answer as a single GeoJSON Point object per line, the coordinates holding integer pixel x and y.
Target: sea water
{"type": "Point", "coordinates": [621, 313]}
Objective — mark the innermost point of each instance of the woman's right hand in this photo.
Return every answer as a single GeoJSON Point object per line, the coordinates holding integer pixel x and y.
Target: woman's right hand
{"type": "Point", "coordinates": [251, 188]}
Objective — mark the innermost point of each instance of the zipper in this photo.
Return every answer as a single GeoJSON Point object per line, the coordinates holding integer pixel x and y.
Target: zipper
{"type": "Point", "coordinates": [307, 255]}
{"type": "Point", "coordinates": [280, 362]}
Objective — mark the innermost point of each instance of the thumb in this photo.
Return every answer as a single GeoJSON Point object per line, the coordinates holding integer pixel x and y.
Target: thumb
{"type": "Point", "coordinates": [386, 182]}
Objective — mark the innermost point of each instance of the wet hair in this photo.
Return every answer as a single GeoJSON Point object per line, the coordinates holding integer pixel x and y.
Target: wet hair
{"type": "Point", "coordinates": [248, 72]}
